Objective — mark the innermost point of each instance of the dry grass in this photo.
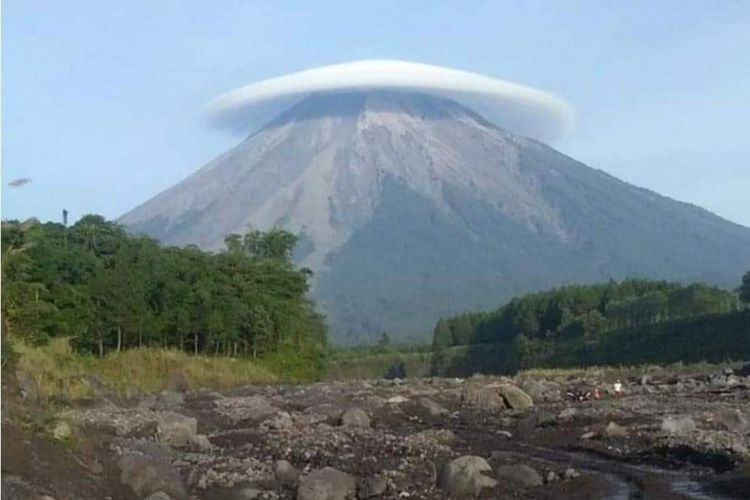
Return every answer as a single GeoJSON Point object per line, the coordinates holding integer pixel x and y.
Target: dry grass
{"type": "Point", "coordinates": [59, 372]}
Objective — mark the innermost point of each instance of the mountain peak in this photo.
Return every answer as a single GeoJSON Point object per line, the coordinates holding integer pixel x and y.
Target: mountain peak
{"type": "Point", "coordinates": [410, 206]}
{"type": "Point", "coordinates": [349, 104]}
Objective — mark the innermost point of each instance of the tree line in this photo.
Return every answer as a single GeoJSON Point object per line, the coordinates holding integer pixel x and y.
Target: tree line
{"type": "Point", "coordinates": [108, 290]}
{"type": "Point", "coordinates": [588, 312]}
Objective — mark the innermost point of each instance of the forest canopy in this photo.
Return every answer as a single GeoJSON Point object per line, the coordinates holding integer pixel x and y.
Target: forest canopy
{"type": "Point", "coordinates": [106, 290]}
{"type": "Point", "coordinates": [585, 312]}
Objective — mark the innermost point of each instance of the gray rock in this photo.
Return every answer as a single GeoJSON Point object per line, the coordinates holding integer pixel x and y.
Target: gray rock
{"type": "Point", "coordinates": [62, 431]}
{"type": "Point", "coordinates": [464, 477]}
{"type": "Point", "coordinates": [538, 418]}
{"type": "Point", "coordinates": [176, 430]}
{"type": "Point", "coordinates": [397, 400]}
{"type": "Point", "coordinates": [355, 417]}
{"type": "Point", "coordinates": [482, 398]}
{"type": "Point", "coordinates": [285, 473]}
{"type": "Point", "coordinates": [552, 477]}
{"type": "Point", "coordinates": [373, 487]}
{"type": "Point", "coordinates": [588, 435]}
{"type": "Point", "coordinates": [514, 397]}
{"type": "Point", "coordinates": [571, 473]}
{"type": "Point", "coordinates": [614, 430]}
{"type": "Point", "coordinates": [146, 475]}
{"type": "Point", "coordinates": [677, 425]}
{"type": "Point", "coordinates": [433, 408]}
{"type": "Point", "coordinates": [731, 420]}
{"type": "Point", "coordinates": [282, 420]}
{"type": "Point", "coordinates": [248, 494]}
{"type": "Point", "coordinates": [567, 414]}
{"type": "Point", "coordinates": [520, 474]}
{"type": "Point", "coordinates": [326, 484]}
{"type": "Point", "coordinates": [536, 389]}
{"type": "Point", "coordinates": [199, 442]}
{"type": "Point", "coordinates": [159, 495]}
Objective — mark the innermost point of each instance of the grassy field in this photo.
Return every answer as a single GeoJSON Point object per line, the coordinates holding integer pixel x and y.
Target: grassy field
{"type": "Point", "coordinates": [59, 372]}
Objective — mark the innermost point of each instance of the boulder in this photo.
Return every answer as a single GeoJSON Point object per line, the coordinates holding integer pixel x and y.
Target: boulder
{"type": "Point", "coordinates": [327, 484]}
{"type": "Point", "coordinates": [538, 418]}
{"type": "Point", "coordinates": [519, 474]}
{"type": "Point", "coordinates": [147, 475]}
{"type": "Point", "coordinates": [159, 495]}
{"type": "Point", "coordinates": [731, 420]}
{"type": "Point", "coordinates": [282, 420]}
{"type": "Point", "coordinates": [536, 389]}
{"type": "Point", "coordinates": [614, 430]}
{"type": "Point", "coordinates": [248, 494]}
{"type": "Point", "coordinates": [514, 397]}
{"type": "Point", "coordinates": [482, 398]}
{"type": "Point", "coordinates": [464, 477]}
{"type": "Point", "coordinates": [200, 443]}
{"type": "Point", "coordinates": [571, 473]}
{"type": "Point", "coordinates": [176, 430]}
{"type": "Point", "coordinates": [433, 408]}
{"type": "Point", "coordinates": [62, 431]}
{"type": "Point", "coordinates": [677, 425]}
{"type": "Point", "coordinates": [285, 473]}
{"type": "Point", "coordinates": [355, 417]}
{"type": "Point", "coordinates": [373, 487]}
{"type": "Point", "coordinates": [567, 414]}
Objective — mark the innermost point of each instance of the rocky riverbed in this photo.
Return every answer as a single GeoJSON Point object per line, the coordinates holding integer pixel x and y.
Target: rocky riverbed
{"type": "Point", "coordinates": [669, 436]}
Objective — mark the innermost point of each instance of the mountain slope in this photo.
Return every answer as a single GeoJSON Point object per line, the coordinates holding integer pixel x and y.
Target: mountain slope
{"type": "Point", "coordinates": [410, 207]}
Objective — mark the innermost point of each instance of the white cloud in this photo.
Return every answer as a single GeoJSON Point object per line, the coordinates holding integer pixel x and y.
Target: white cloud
{"type": "Point", "coordinates": [514, 107]}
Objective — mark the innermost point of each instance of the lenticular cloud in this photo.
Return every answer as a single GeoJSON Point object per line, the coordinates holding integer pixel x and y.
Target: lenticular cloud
{"type": "Point", "coordinates": [517, 108]}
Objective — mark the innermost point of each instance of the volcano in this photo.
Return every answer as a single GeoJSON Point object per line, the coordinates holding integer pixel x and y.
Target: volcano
{"type": "Point", "coordinates": [411, 206]}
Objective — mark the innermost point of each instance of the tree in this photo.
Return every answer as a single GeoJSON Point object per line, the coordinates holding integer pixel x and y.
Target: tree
{"type": "Point", "coordinates": [745, 289]}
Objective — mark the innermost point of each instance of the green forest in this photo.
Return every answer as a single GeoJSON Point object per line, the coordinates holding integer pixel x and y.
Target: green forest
{"type": "Point", "coordinates": [108, 290]}
{"type": "Point", "coordinates": [632, 321]}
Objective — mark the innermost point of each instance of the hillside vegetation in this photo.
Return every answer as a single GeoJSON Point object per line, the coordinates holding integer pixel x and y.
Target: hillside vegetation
{"type": "Point", "coordinates": [108, 291]}
{"type": "Point", "coordinates": [630, 322]}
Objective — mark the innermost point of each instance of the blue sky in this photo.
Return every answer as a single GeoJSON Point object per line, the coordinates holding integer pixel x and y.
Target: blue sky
{"type": "Point", "coordinates": [101, 100]}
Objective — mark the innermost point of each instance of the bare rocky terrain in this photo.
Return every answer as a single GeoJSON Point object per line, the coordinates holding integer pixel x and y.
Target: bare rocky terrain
{"type": "Point", "coordinates": [670, 436]}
